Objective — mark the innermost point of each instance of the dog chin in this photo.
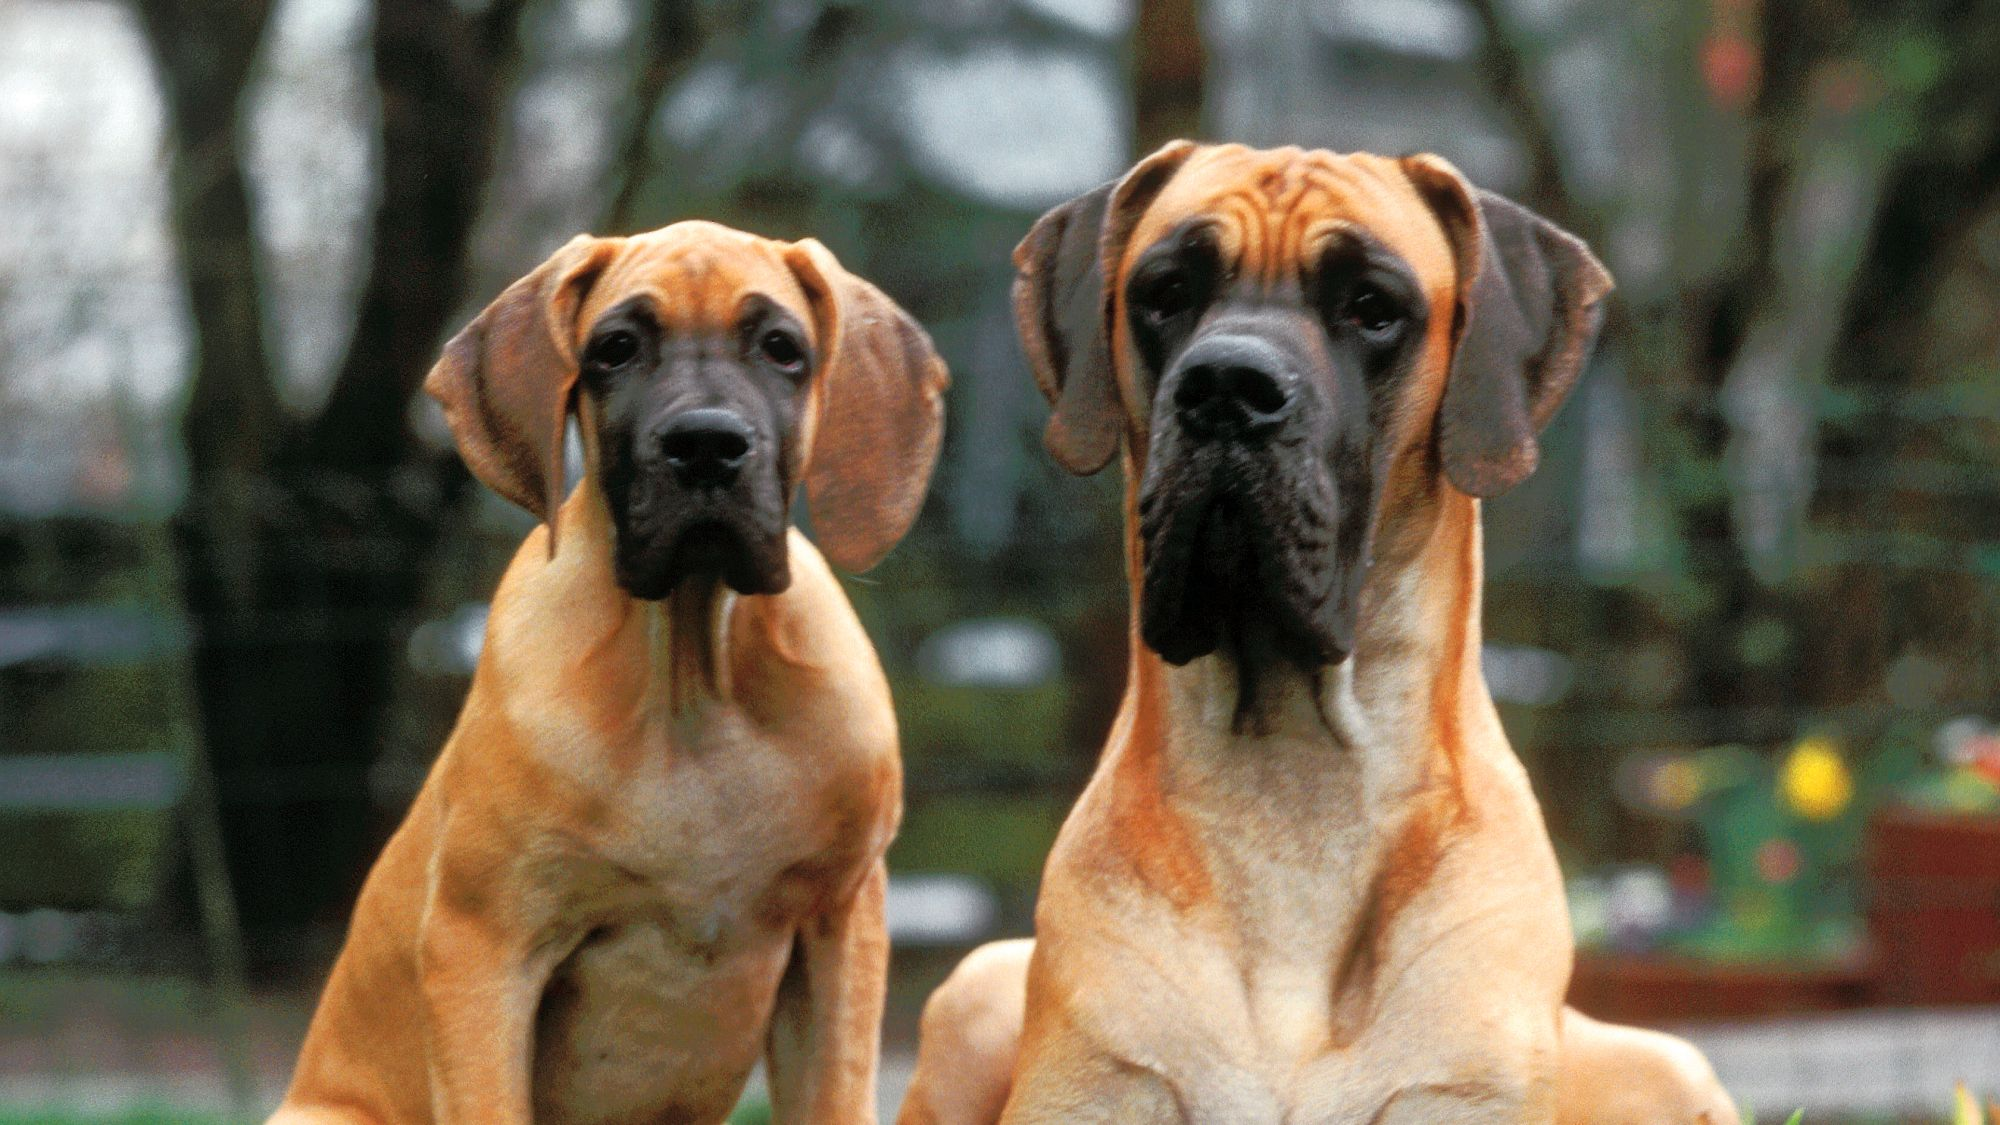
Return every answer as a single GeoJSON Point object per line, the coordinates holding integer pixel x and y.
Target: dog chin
{"type": "Point", "coordinates": [747, 562]}
{"type": "Point", "coordinates": [1217, 576]}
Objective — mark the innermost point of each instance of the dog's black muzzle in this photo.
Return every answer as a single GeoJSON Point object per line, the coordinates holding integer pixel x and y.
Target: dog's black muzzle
{"type": "Point", "coordinates": [700, 497]}
{"type": "Point", "coordinates": [1240, 507]}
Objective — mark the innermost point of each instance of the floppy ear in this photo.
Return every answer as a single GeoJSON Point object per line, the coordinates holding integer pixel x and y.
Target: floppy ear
{"type": "Point", "coordinates": [1062, 307]}
{"type": "Point", "coordinates": [1530, 301]}
{"type": "Point", "coordinates": [881, 412]}
{"type": "Point", "coordinates": [508, 381]}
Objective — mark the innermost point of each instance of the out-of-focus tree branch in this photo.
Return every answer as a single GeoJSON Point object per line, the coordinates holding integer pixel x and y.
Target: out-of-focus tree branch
{"type": "Point", "coordinates": [1510, 79]}
{"type": "Point", "coordinates": [672, 42]}
{"type": "Point", "coordinates": [1795, 43]}
{"type": "Point", "coordinates": [1944, 181]}
{"type": "Point", "coordinates": [1171, 68]}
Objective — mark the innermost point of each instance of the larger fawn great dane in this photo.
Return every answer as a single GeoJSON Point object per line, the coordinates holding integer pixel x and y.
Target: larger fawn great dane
{"type": "Point", "coordinates": [1309, 882]}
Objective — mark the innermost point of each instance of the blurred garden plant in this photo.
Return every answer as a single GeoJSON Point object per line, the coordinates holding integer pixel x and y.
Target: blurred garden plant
{"type": "Point", "coordinates": [1965, 1109]}
{"type": "Point", "coordinates": [1775, 873]}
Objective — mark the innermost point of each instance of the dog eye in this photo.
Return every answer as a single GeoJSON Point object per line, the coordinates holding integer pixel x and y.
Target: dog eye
{"type": "Point", "coordinates": [613, 349]}
{"type": "Point", "coordinates": [1372, 310]}
{"type": "Point", "coordinates": [782, 350]}
{"type": "Point", "coordinates": [1168, 295]}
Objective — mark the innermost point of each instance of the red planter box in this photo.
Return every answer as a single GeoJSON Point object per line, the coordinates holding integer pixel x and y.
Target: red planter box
{"type": "Point", "coordinates": [1934, 907]}
{"type": "Point", "coordinates": [1655, 991]}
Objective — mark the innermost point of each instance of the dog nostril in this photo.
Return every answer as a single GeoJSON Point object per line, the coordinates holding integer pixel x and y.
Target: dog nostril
{"type": "Point", "coordinates": [1258, 390]}
{"type": "Point", "coordinates": [1196, 387]}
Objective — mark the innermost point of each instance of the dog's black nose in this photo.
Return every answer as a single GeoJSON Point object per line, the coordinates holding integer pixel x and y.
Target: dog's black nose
{"type": "Point", "coordinates": [1232, 388]}
{"type": "Point", "coordinates": [706, 447]}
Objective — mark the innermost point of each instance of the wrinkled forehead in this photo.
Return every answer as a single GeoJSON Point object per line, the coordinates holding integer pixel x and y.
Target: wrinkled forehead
{"type": "Point", "coordinates": [1273, 212]}
{"type": "Point", "coordinates": [699, 277]}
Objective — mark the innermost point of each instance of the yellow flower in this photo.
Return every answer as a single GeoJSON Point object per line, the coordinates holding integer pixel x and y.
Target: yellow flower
{"type": "Point", "coordinates": [1965, 1111]}
{"type": "Point", "coordinates": [1815, 780]}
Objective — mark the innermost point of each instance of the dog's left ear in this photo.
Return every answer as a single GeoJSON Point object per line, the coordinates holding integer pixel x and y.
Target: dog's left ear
{"type": "Point", "coordinates": [1530, 300]}
{"type": "Point", "coordinates": [508, 381]}
{"type": "Point", "coordinates": [881, 412]}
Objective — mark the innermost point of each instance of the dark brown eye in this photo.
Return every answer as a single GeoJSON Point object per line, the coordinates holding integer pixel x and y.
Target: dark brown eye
{"type": "Point", "coordinates": [1372, 310]}
{"type": "Point", "coordinates": [782, 350]}
{"type": "Point", "coordinates": [613, 349]}
{"type": "Point", "coordinates": [1168, 295]}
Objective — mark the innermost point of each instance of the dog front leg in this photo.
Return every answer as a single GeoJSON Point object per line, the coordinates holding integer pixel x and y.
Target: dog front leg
{"type": "Point", "coordinates": [969, 1038]}
{"type": "Point", "coordinates": [481, 986]}
{"type": "Point", "coordinates": [825, 1032]}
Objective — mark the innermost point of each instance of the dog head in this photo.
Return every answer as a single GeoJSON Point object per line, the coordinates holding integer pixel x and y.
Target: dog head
{"type": "Point", "coordinates": [1276, 337]}
{"type": "Point", "coordinates": [714, 372]}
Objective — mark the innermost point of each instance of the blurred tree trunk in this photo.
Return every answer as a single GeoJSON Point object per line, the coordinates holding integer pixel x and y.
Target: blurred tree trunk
{"type": "Point", "coordinates": [302, 542]}
{"type": "Point", "coordinates": [1679, 353]}
{"type": "Point", "coordinates": [1510, 81]}
{"type": "Point", "coordinates": [1895, 330]}
{"type": "Point", "coordinates": [1169, 92]}
{"type": "Point", "coordinates": [1170, 82]}
{"type": "Point", "coordinates": [670, 46]}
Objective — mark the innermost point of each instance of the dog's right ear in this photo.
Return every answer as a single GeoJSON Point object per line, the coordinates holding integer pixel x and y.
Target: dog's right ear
{"type": "Point", "coordinates": [1062, 307]}
{"type": "Point", "coordinates": [508, 381]}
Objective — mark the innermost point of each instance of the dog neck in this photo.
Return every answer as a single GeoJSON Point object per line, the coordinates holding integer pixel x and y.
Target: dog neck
{"type": "Point", "coordinates": [1305, 835]}
{"type": "Point", "coordinates": [1391, 722]}
{"type": "Point", "coordinates": [668, 659]}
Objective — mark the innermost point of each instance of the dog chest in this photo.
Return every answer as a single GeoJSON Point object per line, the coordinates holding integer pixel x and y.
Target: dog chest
{"type": "Point", "coordinates": [1288, 1038]}
{"type": "Point", "coordinates": [640, 1023]}
{"type": "Point", "coordinates": [705, 810]}
{"type": "Point", "coordinates": [716, 853]}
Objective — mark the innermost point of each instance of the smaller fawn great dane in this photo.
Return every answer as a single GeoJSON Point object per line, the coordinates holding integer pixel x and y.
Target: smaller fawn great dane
{"type": "Point", "coordinates": [651, 851]}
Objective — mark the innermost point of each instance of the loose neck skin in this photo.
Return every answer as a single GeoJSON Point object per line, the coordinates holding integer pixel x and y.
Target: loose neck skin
{"type": "Point", "coordinates": [624, 660]}
{"type": "Point", "coordinates": [1398, 715]}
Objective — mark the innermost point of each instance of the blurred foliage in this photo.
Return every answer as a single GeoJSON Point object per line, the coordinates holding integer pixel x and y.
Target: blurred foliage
{"type": "Point", "coordinates": [1793, 409]}
{"type": "Point", "coordinates": [129, 701]}
{"type": "Point", "coordinates": [85, 860]}
{"type": "Point", "coordinates": [996, 837]}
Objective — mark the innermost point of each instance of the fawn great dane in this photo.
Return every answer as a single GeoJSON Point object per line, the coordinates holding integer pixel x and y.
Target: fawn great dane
{"type": "Point", "coordinates": [651, 851]}
{"type": "Point", "coordinates": [1308, 882]}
